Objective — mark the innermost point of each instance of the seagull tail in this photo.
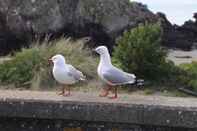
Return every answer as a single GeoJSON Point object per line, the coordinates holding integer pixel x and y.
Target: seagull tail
{"type": "Point", "coordinates": [139, 82]}
{"type": "Point", "coordinates": [83, 78]}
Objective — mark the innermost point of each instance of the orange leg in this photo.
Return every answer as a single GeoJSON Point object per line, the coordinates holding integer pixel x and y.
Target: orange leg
{"type": "Point", "coordinates": [68, 91]}
{"type": "Point", "coordinates": [115, 94]}
{"type": "Point", "coordinates": [65, 91]}
{"type": "Point", "coordinates": [62, 92]}
{"type": "Point", "coordinates": [105, 91]}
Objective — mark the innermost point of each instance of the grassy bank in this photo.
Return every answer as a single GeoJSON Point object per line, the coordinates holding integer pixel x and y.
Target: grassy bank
{"type": "Point", "coordinates": [30, 69]}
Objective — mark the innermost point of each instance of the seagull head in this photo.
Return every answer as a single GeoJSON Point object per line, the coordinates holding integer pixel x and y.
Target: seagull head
{"type": "Point", "coordinates": [101, 50]}
{"type": "Point", "coordinates": [58, 59]}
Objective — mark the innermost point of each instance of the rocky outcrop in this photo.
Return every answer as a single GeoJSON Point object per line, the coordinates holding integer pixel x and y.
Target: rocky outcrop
{"type": "Point", "coordinates": [174, 36]}
{"type": "Point", "coordinates": [189, 29]}
{"type": "Point", "coordinates": [21, 21]}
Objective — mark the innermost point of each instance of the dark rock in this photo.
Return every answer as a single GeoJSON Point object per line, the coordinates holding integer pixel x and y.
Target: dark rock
{"type": "Point", "coordinates": [103, 20]}
{"type": "Point", "coordinates": [195, 17]}
{"type": "Point", "coordinates": [189, 29]}
{"type": "Point", "coordinates": [8, 40]}
{"type": "Point", "coordinates": [173, 35]}
{"type": "Point", "coordinates": [22, 21]}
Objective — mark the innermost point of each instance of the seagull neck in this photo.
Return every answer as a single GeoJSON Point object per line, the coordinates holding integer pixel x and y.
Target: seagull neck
{"type": "Point", "coordinates": [105, 59]}
{"type": "Point", "coordinates": [60, 64]}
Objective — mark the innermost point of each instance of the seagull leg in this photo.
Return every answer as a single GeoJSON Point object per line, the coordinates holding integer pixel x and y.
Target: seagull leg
{"type": "Point", "coordinates": [68, 91]}
{"type": "Point", "coordinates": [105, 91]}
{"type": "Point", "coordinates": [62, 92]}
{"type": "Point", "coordinates": [115, 94]}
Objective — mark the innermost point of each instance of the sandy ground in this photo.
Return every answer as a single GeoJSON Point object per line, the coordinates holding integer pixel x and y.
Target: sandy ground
{"type": "Point", "coordinates": [2, 59]}
{"type": "Point", "coordinates": [175, 55]}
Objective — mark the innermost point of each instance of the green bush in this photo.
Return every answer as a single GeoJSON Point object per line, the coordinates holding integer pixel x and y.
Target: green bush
{"type": "Point", "coordinates": [20, 69]}
{"type": "Point", "coordinates": [30, 67]}
{"type": "Point", "coordinates": [139, 51]}
{"type": "Point", "coordinates": [190, 77]}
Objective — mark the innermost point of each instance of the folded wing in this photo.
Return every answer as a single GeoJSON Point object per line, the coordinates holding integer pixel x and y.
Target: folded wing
{"type": "Point", "coordinates": [75, 73]}
{"type": "Point", "coordinates": [116, 76]}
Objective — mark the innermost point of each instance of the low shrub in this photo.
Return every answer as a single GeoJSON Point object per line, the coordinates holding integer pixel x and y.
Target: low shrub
{"type": "Point", "coordinates": [30, 68]}
{"type": "Point", "coordinates": [139, 51]}
{"type": "Point", "coordinates": [21, 68]}
{"type": "Point", "coordinates": [190, 77]}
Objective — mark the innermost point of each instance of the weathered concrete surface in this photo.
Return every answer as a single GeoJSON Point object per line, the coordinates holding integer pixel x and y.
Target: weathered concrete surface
{"type": "Point", "coordinates": [130, 110]}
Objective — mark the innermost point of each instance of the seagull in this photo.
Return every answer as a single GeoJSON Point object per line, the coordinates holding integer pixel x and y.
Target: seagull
{"type": "Point", "coordinates": [110, 74]}
{"type": "Point", "coordinates": [65, 74]}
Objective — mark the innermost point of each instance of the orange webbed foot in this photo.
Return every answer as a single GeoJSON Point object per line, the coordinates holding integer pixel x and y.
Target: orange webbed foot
{"type": "Point", "coordinates": [67, 94]}
{"type": "Point", "coordinates": [112, 97]}
{"type": "Point", "coordinates": [104, 93]}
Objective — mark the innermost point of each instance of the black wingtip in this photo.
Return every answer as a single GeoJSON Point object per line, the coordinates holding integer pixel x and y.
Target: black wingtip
{"type": "Point", "coordinates": [139, 82]}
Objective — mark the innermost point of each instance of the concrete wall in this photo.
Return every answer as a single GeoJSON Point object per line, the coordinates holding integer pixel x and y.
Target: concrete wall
{"type": "Point", "coordinates": [40, 111]}
{"type": "Point", "coordinates": [18, 124]}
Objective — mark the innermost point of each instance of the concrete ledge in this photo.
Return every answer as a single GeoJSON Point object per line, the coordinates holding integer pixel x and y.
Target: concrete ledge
{"type": "Point", "coordinates": [133, 109]}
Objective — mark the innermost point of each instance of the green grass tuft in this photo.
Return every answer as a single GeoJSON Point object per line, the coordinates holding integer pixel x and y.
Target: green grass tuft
{"type": "Point", "coordinates": [190, 78]}
{"type": "Point", "coordinates": [30, 69]}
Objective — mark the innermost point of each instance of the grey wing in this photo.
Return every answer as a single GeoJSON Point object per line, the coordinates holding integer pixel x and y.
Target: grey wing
{"type": "Point", "coordinates": [116, 76]}
{"type": "Point", "coordinates": [75, 73]}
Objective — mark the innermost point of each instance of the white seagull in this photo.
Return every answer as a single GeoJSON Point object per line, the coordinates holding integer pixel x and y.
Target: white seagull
{"type": "Point", "coordinates": [111, 75]}
{"type": "Point", "coordinates": [65, 74]}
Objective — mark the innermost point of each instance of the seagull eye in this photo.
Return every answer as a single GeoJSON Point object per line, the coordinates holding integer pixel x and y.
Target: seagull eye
{"type": "Point", "coordinates": [54, 58]}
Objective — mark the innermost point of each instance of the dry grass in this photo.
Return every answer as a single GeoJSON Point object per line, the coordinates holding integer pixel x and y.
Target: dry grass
{"type": "Point", "coordinates": [30, 69]}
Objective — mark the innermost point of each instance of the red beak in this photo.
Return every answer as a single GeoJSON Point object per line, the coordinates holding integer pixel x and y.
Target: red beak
{"type": "Point", "coordinates": [50, 61]}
